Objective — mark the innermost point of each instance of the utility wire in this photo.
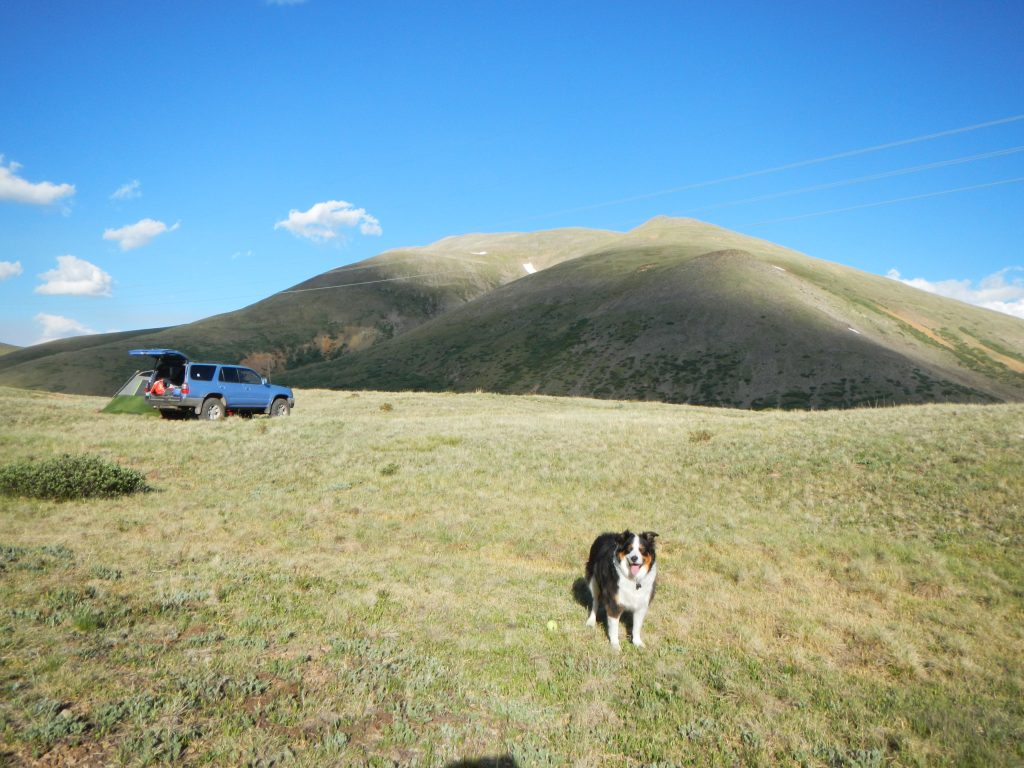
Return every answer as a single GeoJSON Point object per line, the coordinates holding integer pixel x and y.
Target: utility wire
{"type": "Point", "coordinates": [1016, 180]}
{"type": "Point", "coordinates": [860, 179]}
{"type": "Point", "coordinates": [369, 282]}
{"type": "Point", "coordinates": [305, 290]}
{"type": "Point", "coordinates": [378, 265]}
{"type": "Point", "coordinates": [751, 174]}
{"type": "Point", "coordinates": [786, 167]}
{"type": "Point", "coordinates": [346, 268]}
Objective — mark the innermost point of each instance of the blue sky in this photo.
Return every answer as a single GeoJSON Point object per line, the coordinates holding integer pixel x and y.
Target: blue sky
{"type": "Point", "coordinates": [163, 162]}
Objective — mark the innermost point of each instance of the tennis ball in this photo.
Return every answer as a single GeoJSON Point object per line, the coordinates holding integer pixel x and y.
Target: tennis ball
{"type": "Point", "coordinates": [552, 626]}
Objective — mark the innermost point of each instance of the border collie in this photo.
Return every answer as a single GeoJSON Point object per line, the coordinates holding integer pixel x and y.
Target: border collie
{"type": "Point", "coordinates": [621, 572]}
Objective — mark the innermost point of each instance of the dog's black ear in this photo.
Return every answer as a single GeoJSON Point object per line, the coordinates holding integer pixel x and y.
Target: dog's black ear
{"type": "Point", "coordinates": [649, 535]}
{"type": "Point", "coordinates": [625, 537]}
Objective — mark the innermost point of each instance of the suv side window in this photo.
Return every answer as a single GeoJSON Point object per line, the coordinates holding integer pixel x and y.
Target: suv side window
{"type": "Point", "coordinates": [229, 375]}
{"type": "Point", "coordinates": [246, 376]}
{"type": "Point", "coordinates": [202, 372]}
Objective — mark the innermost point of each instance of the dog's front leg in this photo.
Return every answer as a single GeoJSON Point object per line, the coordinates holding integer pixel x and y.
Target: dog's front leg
{"type": "Point", "coordinates": [638, 622]}
{"type": "Point", "coordinates": [594, 595]}
{"type": "Point", "coordinates": [613, 630]}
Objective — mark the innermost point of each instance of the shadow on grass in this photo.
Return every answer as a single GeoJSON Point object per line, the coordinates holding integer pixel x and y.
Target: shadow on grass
{"type": "Point", "coordinates": [504, 761]}
{"type": "Point", "coordinates": [581, 592]}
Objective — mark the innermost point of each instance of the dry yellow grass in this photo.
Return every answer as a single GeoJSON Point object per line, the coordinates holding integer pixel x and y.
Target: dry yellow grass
{"type": "Point", "coordinates": [363, 584]}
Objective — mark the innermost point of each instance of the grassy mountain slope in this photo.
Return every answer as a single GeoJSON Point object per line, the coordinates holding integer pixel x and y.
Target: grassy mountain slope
{"type": "Point", "coordinates": [95, 364]}
{"type": "Point", "coordinates": [355, 307]}
{"type": "Point", "coordinates": [675, 310]}
{"type": "Point", "coordinates": [5, 348]}
{"type": "Point", "coordinates": [372, 581]}
{"type": "Point", "coordinates": [332, 314]}
{"type": "Point", "coordinates": [681, 311]}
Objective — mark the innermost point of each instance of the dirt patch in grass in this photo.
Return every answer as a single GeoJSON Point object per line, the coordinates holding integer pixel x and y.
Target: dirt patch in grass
{"type": "Point", "coordinates": [920, 328]}
{"type": "Point", "coordinates": [1014, 365]}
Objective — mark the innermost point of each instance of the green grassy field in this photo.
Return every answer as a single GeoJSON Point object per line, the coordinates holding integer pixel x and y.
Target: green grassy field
{"type": "Point", "coordinates": [371, 581]}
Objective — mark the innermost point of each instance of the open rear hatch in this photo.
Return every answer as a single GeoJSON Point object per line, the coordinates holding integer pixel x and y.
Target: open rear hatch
{"type": "Point", "coordinates": [171, 356]}
{"type": "Point", "coordinates": [168, 368]}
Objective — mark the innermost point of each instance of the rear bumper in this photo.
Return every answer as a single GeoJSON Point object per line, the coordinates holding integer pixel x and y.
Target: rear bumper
{"type": "Point", "coordinates": [174, 402]}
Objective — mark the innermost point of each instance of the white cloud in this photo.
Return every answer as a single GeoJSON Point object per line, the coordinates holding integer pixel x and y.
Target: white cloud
{"type": "Point", "coordinates": [9, 269]}
{"type": "Point", "coordinates": [129, 191]}
{"type": "Point", "coordinates": [15, 189]}
{"type": "Point", "coordinates": [324, 221]}
{"type": "Point", "coordinates": [993, 292]}
{"type": "Point", "coordinates": [138, 234]}
{"type": "Point", "coordinates": [57, 327]}
{"type": "Point", "coordinates": [75, 277]}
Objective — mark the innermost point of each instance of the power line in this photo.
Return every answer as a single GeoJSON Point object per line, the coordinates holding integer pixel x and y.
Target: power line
{"type": "Point", "coordinates": [382, 263]}
{"type": "Point", "coordinates": [305, 290]}
{"type": "Point", "coordinates": [860, 179]}
{"type": "Point", "coordinates": [369, 282]}
{"type": "Point", "coordinates": [786, 167]}
{"type": "Point", "coordinates": [355, 268]}
{"type": "Point", "coordinates": [146, 300]}
{"type": "Point", "coordinates": [162, 295]}
{"type": "Point", "coordinates": [386, 279]}
{"type": "Point", "coordinates": [1016, 180]}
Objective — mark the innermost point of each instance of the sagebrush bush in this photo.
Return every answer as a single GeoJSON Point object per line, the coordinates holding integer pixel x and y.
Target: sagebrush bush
{"type": "Point", "coordinates": [69, 477]}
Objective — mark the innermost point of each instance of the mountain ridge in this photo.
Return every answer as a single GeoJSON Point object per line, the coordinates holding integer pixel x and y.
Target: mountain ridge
{"type": "Point", "coordinates": [683, 324]}
{"type": "Point", "coordinates": [674, 310]}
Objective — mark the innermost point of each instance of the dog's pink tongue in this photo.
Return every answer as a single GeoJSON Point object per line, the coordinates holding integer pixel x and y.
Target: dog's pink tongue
{"type": "Point", "coordinates": [634, 570]}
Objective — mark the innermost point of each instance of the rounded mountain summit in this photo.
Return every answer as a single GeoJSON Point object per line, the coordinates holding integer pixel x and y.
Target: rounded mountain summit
{"type": "Point", "coordinates": [675, 310]}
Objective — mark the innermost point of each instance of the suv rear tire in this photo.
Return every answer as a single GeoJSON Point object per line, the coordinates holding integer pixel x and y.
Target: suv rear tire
{"type": "Point", "coordinates": [213, 409]}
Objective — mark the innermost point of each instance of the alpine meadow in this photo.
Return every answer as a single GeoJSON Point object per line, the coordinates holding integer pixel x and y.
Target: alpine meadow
{"type": "Point", "coordinates": [512, 384]}
{"type": "Point", "coordinates": [396, 579]}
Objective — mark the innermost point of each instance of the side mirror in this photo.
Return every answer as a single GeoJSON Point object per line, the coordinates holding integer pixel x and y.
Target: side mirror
{"type": "Point", "coordinates": [265, 382]}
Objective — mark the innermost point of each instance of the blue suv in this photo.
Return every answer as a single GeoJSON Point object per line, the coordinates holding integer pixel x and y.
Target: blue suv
{"type": "Point", "coordinates": [180, 388]}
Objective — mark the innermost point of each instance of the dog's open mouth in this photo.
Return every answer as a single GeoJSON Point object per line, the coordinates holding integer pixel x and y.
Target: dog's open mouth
{"type": "Point", "coordinates": [634, 569]}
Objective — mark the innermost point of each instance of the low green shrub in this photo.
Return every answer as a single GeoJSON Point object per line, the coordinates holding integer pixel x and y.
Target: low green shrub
{"type": "Point", "coordinates": [69, 477]}
{"type": "Point", "coordinates": [53, 722]}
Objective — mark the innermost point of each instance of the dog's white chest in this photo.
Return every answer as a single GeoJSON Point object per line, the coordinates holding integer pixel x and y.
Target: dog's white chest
{"type": "Point", "coordinates": [633, 595]}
